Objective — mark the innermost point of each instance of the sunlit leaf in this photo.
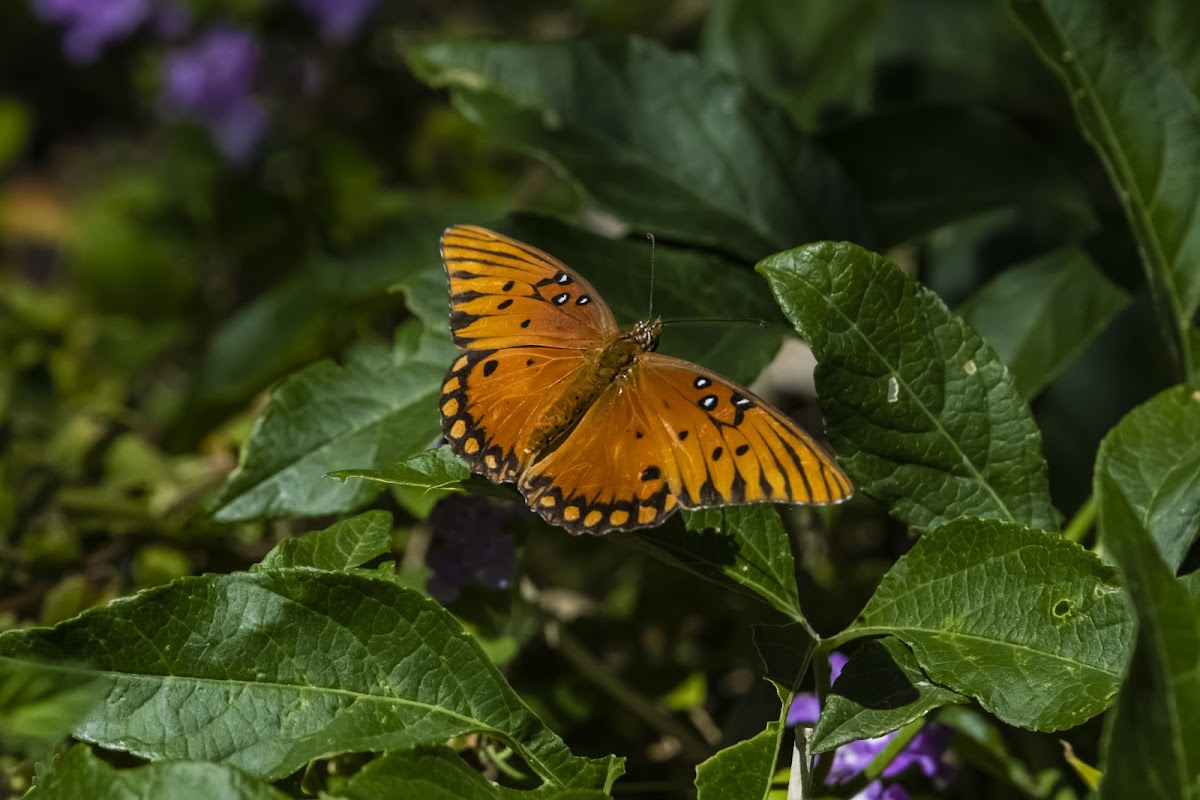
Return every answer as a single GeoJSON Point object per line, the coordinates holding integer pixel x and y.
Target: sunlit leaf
{"type": "Point", "coordinates": [345, 544]}
{"type": "Point", "coordinates": [920, 411]}
{"type": "Point", "coordinates": [267, 670]}
{"type": "Point", "coordinates": [376, 409]}
{"type": "Point", "coordinates": [1034, 627]}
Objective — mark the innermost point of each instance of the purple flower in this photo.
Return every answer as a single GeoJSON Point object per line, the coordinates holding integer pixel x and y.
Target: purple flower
{"type": "Point", "coordinates": [876, 790]}
{"type": "Point", "coordinates": [337, 19]}
{"type": "Point", "coordinates": [211, 80]}
{"type": "Point", "coordinates": [92, 24]}
{"type": "Point", "coordinates": [470, 546]}
{"type": "Point", "coordinates": [925, 751]}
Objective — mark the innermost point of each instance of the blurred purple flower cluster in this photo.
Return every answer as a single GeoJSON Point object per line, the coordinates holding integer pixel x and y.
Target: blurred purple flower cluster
{"type": "Point", "coordinates": [92, 24]}
{"type": "Point", "coordinates": [213, 79]}
{"type": "Point", "coordinates": [470, 546]}
{"type": "Point", "coordinates": [925, 751]}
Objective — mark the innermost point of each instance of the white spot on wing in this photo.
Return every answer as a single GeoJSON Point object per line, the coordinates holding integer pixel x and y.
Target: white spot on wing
{"type": "Point", "coordinates": [893, 389]}
{"type": "Point", "coordinates": [970, 368]}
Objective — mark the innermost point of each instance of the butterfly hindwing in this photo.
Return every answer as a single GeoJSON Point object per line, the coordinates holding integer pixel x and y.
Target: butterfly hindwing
{"type": "Point", "coordinates": [493, 401]}
{"type": "Point", "coordinates": [504, 293]}
{"type": "Point", "coordinates": [611, 471]}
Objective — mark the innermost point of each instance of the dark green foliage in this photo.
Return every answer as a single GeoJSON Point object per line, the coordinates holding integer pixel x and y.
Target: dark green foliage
{"type": "Point", "coordinates": [223, 507]}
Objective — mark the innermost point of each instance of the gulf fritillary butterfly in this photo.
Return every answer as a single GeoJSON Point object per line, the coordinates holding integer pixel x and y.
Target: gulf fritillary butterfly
{"type": "Point", "coordinates": [598, 431]}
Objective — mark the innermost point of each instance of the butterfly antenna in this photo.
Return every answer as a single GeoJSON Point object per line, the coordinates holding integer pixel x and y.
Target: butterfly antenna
{"type": "Point", "coordinates": [762, 323]}
{"type": "Point", "coordinates": [650, 236]}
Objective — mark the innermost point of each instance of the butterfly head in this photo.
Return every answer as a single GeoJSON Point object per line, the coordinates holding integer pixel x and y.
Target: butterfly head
{"type": "Point", "coordinates": [646, 334]}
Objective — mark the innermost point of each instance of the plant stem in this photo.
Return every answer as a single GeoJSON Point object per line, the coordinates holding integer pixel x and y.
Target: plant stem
{"type": "Point", "coordinates": [1082, 522]}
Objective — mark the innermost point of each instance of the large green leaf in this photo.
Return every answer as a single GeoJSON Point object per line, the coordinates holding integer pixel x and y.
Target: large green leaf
{"type": "Point", "coordinates": [802, 62]}
{"type": "Point", "coordinates": [1039, 314]}
{"type": "Point", "coordinates": [657, 138]}
{"type": "Point", "coordinates": [743, 544]}
{"type": "Point", "coordinates": [1143, 117]}
{"type": "Point", "coordinates": [267, 670]}
{"type": "Point", "coordinates": [921, 412]}
{"type": "Point", "coordinates": [439, 774]}
{"type": "Point", "coordinates": [1155, 728]}
{"type": "Point", "coordinates": [744, 770]}
{"type": "Point", "coordinates": [1153, 455]}
{"type": "Point", "coordinates": [919, 168]}
{"type": "Point", "coordinates": [881, 689]}
{"type": "Point", "coordinates": [79, 773]}
{"type": "Point", "coordinates": [375, 409]}
{"type": "Point", "coordinates": [344, 545]}
{"type": "Point", "coordinates": [1034, 627]}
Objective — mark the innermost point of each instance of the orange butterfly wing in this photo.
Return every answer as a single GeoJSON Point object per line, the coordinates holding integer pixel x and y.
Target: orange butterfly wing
{"type": "Point", "coordinates": [674, 435]}
{"type": "Point", "coordinates": [504, 293]}
{"type": "Point", "coordinates": [493, 400]}
{"type": "Point", "coordinates": [530, 326]}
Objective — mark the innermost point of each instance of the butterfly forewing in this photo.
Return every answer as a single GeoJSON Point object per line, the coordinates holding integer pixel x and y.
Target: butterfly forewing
{"type": "Point", "coordinates": [504, 293]}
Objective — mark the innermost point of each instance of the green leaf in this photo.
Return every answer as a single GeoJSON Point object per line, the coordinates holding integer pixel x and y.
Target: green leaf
{"type": "Point", "coordinates": [376, 409]}
{"type": "Point", "coordinates": [79, 773]}
{"type": "Point", "coordinates": [1034, 627]}
{"type": "Point", "coordinates": [1142, 116]}
{"type": "Point", "coordinates": [785, 651]}
{"type": "Point", "coordinates": [687, 285]}
{"type": "Point", "coordinates": [1154, 728]}
{"type": "Point", "coordinates": [1039, 314]}
{"type": "Point", "coordinates": [430, 469]}
{"type": "Point", "coordinates": [804, 63]}
{"type": "Point", "coordinates": [921, 412]}
{"type": "Point", "coordinates": [344, 545]}
{"type": "Point", "coordinates": [657, 138]}
{"type": "Point", "coordinates": [743, 544]}
{"type": "Point", "coordinates": [267, 670]}
{"type": "Point", "coordinates": [919, 168]}
{"type": "Point", "coordinates": [439, 774]}
{"type": "Point", "coordinates": [743, 770]}
{"type": "Point", "coordinates": [881, 689]}
{"type": "Point", "coordinates": [1153, 455]}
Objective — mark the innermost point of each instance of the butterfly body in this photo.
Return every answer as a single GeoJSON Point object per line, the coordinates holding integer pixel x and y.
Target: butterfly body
{"type": "Point", "coordinates": [598, 430]}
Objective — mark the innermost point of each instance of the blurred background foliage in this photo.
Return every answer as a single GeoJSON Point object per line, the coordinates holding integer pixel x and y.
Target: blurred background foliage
{"type": "Point", "coordinates": [198, 197]}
